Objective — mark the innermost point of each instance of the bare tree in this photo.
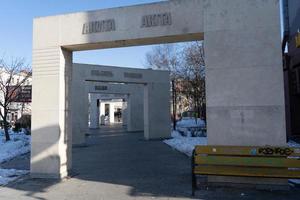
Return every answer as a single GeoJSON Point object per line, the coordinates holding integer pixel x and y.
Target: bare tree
{"type": "Point", "coordinates": [187, 66]}
{"type": "Point", "coordinates": [193, 74]}
{"type": "Point", "coordinates": [165, 57]}
{"type": "Point", "coordinates": [13, 77]}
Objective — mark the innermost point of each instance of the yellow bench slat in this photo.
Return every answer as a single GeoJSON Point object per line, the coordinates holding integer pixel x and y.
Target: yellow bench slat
{"type": "Point", "coordinates": [247, 161]}
{"type": "Point", "coordinates": [247, 171]}
{"type": "Point", "coordinates": [248, 150]}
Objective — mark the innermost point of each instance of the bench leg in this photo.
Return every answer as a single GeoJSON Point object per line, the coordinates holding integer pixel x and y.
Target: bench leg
{"type": "Point", "coordinates": [194, 184]}
{"type": "Point", "coordinates": [194, 179]}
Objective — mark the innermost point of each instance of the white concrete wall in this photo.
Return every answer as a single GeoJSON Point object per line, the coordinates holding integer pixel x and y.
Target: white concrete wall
{"type": "Point", "coordinates": [125, 113]}
{"type": "Point", "coordinates": [94, 112]}
{"type": "Point", "coordinates": [157, 115]}
{"type": "Point", "coordinates": [244, 75]}
{"type": "Point", "coordinates": [80, 101]}
{"type": "Point", "coordinates": [80, 107]}
{"type": "Point", "coordinates": [102, 109]}
{"type": "Point", "coordinates": [135, 110]}
{"type": "Point", "coordinates": [51, 139]}
{"type": "Point", "coordinates": [111, 113]}
{"type": "Point", "coordinates": [66, 30]}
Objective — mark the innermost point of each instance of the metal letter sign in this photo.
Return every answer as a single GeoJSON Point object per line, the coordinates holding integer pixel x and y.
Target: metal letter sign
{"type": "Point", "coordinates": [163, 19]}
{"type": "Point", "coordinates": [99, 26]}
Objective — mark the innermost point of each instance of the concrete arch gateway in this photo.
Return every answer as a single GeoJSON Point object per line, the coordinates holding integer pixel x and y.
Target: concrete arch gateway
{"type": "Point", "coordinates": [138, 84]}
{"type": "Point", "coordinates": [244, 78]}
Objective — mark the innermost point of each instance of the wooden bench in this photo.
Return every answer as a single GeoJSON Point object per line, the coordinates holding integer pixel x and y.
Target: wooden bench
{"type": "Point", "coordinates": [264, 162]}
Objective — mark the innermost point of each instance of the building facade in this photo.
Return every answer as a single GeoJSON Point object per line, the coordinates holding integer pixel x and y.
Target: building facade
{"type": "Point", "coordinates": [292, 65]}
{"type": "Point", "coordinates": [20, 105]}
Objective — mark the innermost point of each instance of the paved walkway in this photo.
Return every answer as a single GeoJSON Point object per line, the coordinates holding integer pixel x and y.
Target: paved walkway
{"type": "Point", "coordinates": [118, 165]}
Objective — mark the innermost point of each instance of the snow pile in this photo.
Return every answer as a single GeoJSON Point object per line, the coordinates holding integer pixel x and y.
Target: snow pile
{"type": "Point", "coordinates": [18, 145]}
{"type": "Point", "coordinates": [183, 144]}
{"type": "Point", "coordinates": [186, 144]}
{"type": "Point", "coordinates": [8, 175]}
{"type": "Point", "coordinates": [188, 126]}
{"type": "Point", "coordinates": [294, 144]}
{"type": "Point", "coordinates": [190, 122]}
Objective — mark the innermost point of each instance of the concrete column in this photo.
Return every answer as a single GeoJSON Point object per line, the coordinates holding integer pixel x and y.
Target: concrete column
{"type": "Point", "coordinates": [135, 112]}
{"type": "Point", "coordinates": [102, 111]}
{"type": "Point", "coordinates": [157, 121]}
{"type": "Point", "coordinates": [124, 113]}
{"type": "Point", "coordinates": [80, 108]}
{"type": "Point", "coordinates": [111, 112]}
{"type": "Point", "coordinates": [51, 114]}
{"type": "Point", "coordinates": [102, 108]}
{"type": "Point", "coordinates": [94, 112]}
{"type": "Point", "coordinates": [129, 125]}
{"type": "Point", "coordinates": [244, 76]}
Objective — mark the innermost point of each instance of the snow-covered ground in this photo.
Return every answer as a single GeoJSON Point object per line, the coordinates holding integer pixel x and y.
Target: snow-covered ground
{"type": "Point", "coordinates": [18, 145]}
{"type": "Point", "coordinates": [188, 122]}
{"type": "Point", "coordinates": [8, 175]}
{"type": "Point", "coordinates": [293, 144]}
{"type": "Point", "coordinates": [185, 144]}
{"type": "Point", "coordinates": [189, 126]}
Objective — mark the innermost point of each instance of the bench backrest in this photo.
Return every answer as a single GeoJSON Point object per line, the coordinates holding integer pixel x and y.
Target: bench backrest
{"type": "Point", "coordinates": [266, 161]}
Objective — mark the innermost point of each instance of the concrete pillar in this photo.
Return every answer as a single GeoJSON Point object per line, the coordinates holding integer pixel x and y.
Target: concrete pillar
{"type": "Point", "coordinates": [102, 108]}
{"type": "Point", "coordinates": [244, 76]}
{"type": "Point", "coordinates": [124, 113]}
{"type": "Point", "coordinates": [157, 121]}
{"type": "Point", "coordinates": [51, 114]}
{"type": "Point", "coordinates": [94, 112]}
{"type": "Point", "coordinates": [135, 112]}
{"type": "Point", "coordinates": [102, 112]}
{"type": "Point", "coordinates": [129, 125]}
{"type": "Point", "coordinates": [80, 108]}
{"type": "Point", "coordinates": [111, 112]}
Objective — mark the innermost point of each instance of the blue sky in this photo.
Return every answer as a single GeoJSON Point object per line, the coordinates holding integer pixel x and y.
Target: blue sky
{"type": "Point", "coordinates": [16, 29]}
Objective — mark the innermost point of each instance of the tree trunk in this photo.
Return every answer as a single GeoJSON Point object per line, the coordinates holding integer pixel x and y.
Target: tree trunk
{"type": "Point", "coordinates": [174, 104]}
{"type": "Point", "coordinates": [7, 137]}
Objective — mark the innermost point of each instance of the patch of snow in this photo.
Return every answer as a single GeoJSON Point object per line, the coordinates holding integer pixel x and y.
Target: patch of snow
{"type": "Point", "coordinates": [18, 145]}
{"type": "Point", "coordinates": [8, 175]}
{"type": "Point", "coordinates": [292, 143]}
{"type": "Point", "coordinates": [295, 181]}
{"type": "Point", "coordinates": [186, 144]}
{"type": "Point", "coordinates": [183, 144]}
{"type": "Point", "coordinates": [189, 126]}
{"type": "Point", "coordinates": [188, 122]}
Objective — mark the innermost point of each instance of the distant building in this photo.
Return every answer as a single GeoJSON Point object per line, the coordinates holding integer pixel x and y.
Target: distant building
{"type": "Point", "coordinates": [291, 40]}
{"type": "Point", "coordinates": [22, 105]}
